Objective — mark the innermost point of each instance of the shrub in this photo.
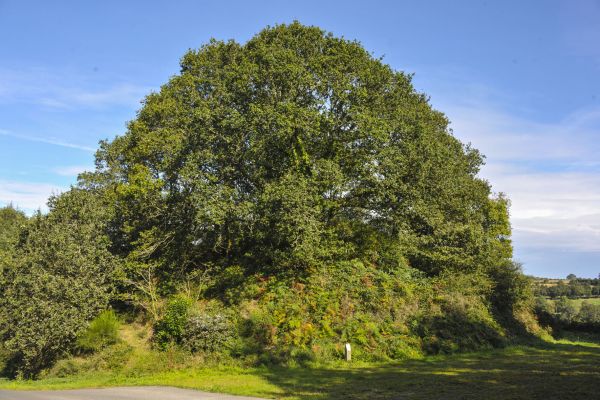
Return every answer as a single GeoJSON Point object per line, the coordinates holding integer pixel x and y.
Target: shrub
{"type": "Point", "coordinates": [512, 290]}
{"type": "Point", "coordinates": [589, 314]}
{"type": "Point", "coordinates": [111, 358]}
{"type": "Point", "coordinates": [545, 312]}
{"type": "Point", "coordinates": [61, 278]}
{"type": "Point", "coordinates": [565, 311]}
{"type": "Point", "coordinates": [210, 333]}
{"type": "Point", "coordinates": [101, 332]}
{"type": "Point", "coordinates": [395, 314]}
{"type": "Point", "coordinates": [463, 323]}
{"type": "Point", "coordinates": [171, 327]}
{"type": "Point", "coordinates": [4, 357]}
{"type": "Point", "coordinates": [295, 321]}
{"type": "Point", "coordinates": [63, 369]}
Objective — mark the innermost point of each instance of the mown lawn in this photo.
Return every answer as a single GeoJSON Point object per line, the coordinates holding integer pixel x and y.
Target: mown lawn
{"type": "Point", "coordinates": [561, 370]}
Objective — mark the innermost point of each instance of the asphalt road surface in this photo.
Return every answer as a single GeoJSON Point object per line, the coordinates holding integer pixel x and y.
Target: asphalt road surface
{"type": "Point", "coordinates": [119, 393]}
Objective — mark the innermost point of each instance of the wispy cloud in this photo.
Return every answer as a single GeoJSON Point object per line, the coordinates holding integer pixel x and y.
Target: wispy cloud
{"type": "Point", "coordinates": [72, 170]}
{"type": "Point", "coordinates": [505, 137]}
{"type": "Point", "coordinates": [65, 91]}
{"type": "Point", "coordinates": [48, 140]}
{"type": "Point", "coordinates": [27, 196]}
{"type": "Point", "coordinates": [123, 95]}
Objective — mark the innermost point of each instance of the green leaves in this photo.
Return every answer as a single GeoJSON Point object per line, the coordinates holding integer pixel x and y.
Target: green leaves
{"type": "Point", "coordinates": [61, 278]}
{"type": "Point", "coordinates": [265, 154]}
{"type": "Point", "coordinates": [298, 159]}
{"type": "Point", "coordinates": [171, 328]}
{"type": "Point", "coordinates": [101, 332]}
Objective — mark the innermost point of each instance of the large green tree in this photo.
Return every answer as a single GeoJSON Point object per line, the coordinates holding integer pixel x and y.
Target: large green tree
{"type": "Point", "coordinates": [12, 221]}
{"type": "Point", "coordinates": [60, 277]}
{"type": "Point", "coordinates": [291, 151]}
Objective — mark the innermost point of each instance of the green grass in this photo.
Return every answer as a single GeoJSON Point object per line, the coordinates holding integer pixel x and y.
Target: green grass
{"type": "Point", "coordinates": [577, 302]}
{"type": "Point", "coordinates": [559, 370]}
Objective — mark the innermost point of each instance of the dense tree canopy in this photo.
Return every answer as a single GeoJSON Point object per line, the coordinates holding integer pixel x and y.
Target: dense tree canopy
{"type": "Point", "coordinates": [293, 150]}
{"type": "Point", "coordinates": [11, 222]}
{"type": "Point", "coordinates": [299, 183]}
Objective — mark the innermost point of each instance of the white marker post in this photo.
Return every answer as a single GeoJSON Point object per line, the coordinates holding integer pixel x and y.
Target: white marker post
{"type": "Point", "coordinates": [348, 352]}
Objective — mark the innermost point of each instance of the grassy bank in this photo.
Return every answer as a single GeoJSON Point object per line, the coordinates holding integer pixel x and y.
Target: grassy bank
{"type": "Point", "coordinates": [560, 370]}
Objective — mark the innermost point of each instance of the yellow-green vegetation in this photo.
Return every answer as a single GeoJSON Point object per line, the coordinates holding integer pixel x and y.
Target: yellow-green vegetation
{"type": "Point", "coordinates": [552, 370]}
{"type": "Point", "coordinates": [576, 303]}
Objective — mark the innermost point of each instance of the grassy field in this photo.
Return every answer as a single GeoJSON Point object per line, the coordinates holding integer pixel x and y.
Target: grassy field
{"type": "Point", "coordinates": [560, 370]}
{"type": "Point", "coordinates": [577, 302]}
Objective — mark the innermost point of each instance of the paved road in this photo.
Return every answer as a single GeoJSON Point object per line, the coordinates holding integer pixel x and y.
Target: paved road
{"type": "Point", "coordinates": [119, 393]}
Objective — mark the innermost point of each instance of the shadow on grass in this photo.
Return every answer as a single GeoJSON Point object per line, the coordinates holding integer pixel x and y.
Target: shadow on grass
{"type": "Point", "coordinates": [578, 336]}
{"type": "Point", "coordinates": [542, 371]}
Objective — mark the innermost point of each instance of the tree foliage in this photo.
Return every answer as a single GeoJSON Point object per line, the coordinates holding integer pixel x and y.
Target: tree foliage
{"type": "Point", "coordinates": [292, 151]}
{"type": "Point", "coordinates": [61, 280]}
{"type": "Point", "coordinates": [299, 180]}
{"type": "Point", "coordinates": [11, 222]}
{"type": "Point", "coordinates": [574, 288]}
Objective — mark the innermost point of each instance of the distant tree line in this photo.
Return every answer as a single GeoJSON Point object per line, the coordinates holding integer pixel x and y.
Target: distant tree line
{"type": "Point", "coordinates": [573, 288]}
{"type": "Point", "coordinates": [564, 313]}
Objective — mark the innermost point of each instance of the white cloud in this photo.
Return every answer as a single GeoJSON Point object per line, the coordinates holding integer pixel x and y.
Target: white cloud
{"type": "Point", "coordinates": [122, 94]}
{"type": "Point", "coordinates": [550, 171]}
{"type": "Point", "coordinates": [553, 210]}
{"type": "Point", "coordinates": [48, 140]}
{"type": "Point", "coordinates": [27, 196]}
{"type": "Point", "coordinates": [68, 90]}
{"type": "Point", "coordinates": [72, 170]}
{"type": "Point", "coordinates": [502, 136]}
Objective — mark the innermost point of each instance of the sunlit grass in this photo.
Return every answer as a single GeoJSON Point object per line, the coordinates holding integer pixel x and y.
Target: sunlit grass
{"type": "Point", "coordinates": [577, 302]}
{"type": "Point", "coordinates": [559, 370]}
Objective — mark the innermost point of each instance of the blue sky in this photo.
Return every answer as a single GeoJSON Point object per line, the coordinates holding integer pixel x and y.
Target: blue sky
{"type": "Point", "coordinates": [520, 80]}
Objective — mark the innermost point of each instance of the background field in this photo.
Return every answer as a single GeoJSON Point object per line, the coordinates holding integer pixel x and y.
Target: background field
{"type": "Point", "coordinates": [577, 302]}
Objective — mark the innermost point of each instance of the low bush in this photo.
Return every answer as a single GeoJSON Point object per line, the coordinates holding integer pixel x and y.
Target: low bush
{"type": "Point", "coordinates": [461, 324]}
{"type": "Point", "coordinates": [101, 332]}
{"type": "Point", "coordinates": [170, 329]}
{"type": "Point", "coordinates": [589, 316]}
{"type": "Point", "coordinates": [111, 358]}
{"type": "Point", "coordinates": [511, 293]}
{"type": "Point", "coordinates": [208, 333]}
{"type": "Point", "coordinates": [4, 358]}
